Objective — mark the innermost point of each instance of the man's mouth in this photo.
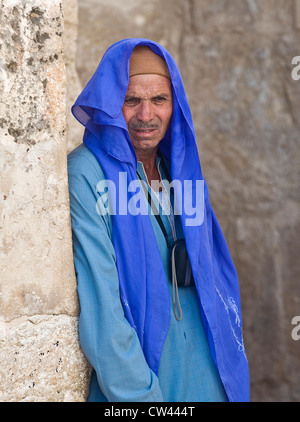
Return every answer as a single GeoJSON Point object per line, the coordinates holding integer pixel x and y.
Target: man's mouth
{"type": "Point", "coordinates": [144, 130]}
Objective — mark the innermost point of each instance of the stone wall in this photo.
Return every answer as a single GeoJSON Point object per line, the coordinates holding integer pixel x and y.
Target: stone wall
{"type": "Point", "coordinates": [39, 350]}
{"type": "Point", "coordinates": [247, 112]}
{"type": "Point", "coordinates": [235, 58]}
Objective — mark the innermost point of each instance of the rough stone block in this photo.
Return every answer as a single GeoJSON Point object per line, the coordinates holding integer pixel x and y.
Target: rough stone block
{"type": "Point", "coordinates": [38, 297]}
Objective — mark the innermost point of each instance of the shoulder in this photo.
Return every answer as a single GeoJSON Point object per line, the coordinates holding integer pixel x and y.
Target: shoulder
{"type": "Point", "coordinates": [84, 175]}
{"type": "Point", "coordinates": [82, 161]}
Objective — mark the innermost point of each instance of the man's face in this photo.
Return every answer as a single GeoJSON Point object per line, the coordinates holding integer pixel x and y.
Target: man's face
{"type": "Point", "coordinates": [147, 110]}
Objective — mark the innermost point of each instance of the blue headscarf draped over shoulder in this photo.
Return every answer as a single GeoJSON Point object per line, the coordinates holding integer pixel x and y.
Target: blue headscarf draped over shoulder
{"type": "Point", "coordinates": [143, 287]}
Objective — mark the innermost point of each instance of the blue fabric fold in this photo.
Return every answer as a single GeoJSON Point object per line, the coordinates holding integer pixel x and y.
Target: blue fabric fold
{"type": "Point", "coordinates": [143, 287]}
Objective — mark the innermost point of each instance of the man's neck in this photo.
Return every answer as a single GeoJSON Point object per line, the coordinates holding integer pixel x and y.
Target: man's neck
{"type": "Point", "coordinates": [149, 163]}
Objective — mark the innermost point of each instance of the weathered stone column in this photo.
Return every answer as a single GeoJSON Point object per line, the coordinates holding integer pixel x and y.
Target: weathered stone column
{"type": "Point", "coordinates": [39, 350]}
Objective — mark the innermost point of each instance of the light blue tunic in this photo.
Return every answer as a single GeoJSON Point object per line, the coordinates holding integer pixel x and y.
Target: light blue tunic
{"type": "Point", "coordinates": [186, 371]}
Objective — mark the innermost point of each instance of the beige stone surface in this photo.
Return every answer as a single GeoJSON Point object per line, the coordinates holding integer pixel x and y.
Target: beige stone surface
{"type": "Point", "coordinates": [35, 236]}
{"type": "Point", "coordinates": [41, 360]}
{"type": "Point", "coordinates": [37, 278]}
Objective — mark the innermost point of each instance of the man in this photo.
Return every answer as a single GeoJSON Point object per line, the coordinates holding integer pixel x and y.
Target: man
{"type": "Point", "coordinates": [148, 335]}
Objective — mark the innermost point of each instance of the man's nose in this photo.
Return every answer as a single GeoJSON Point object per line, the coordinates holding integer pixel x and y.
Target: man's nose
{"type": "Point", "coordinates": [145, 111]}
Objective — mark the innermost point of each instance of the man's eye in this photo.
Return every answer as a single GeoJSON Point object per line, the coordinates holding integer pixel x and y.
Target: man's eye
{"type": "Point", "coordinates": [159, 100]}
{"type": "Point", "coordinates": [131, 102]}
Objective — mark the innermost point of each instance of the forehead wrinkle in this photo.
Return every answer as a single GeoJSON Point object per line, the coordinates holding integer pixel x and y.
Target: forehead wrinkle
{"type": "Point", "coordinates": [148, 90]}
{"type": "Point", "coordinates": [147, 96]}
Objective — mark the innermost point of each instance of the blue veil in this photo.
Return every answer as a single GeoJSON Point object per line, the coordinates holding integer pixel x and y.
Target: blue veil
{"type": "Point", "coordinates": [143, 288]}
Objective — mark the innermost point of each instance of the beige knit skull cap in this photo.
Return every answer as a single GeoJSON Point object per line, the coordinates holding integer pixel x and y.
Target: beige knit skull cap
{"type": "Point", "coordinates": [144, 61]}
